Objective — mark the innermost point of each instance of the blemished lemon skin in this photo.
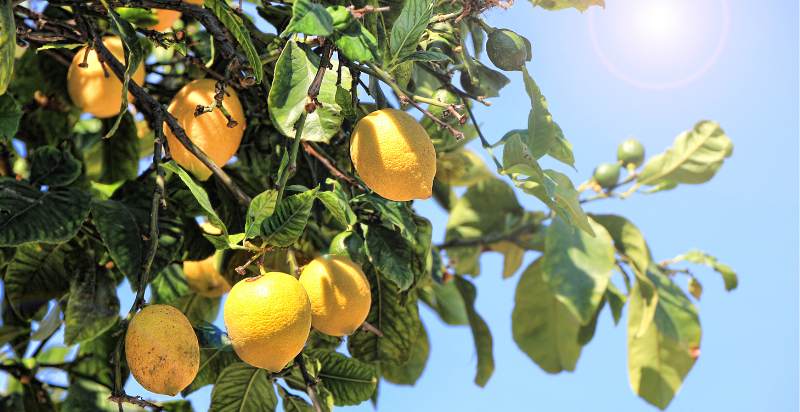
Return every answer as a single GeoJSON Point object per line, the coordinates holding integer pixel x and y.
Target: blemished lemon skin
{"type": "Point", "coordinates": [204, 277]}
{"type": "Point", "coordinates": [209, 131]}
{"type": "Point", "coordinates": [339, 293]}
{"type": "Point", "coordinates": [268, 319]}
{"type": "Point", "coordinates": [162, 349]}
{"type": "Point", "coordinates": [166, 18]}
{"type": "Point", "coordinates": [96, 90]}
{"type": "Point", "coordinates": [394, 155]}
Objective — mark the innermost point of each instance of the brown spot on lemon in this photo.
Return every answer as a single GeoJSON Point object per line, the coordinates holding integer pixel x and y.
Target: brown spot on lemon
{"type": "Point", "coordinates": [162, 349]}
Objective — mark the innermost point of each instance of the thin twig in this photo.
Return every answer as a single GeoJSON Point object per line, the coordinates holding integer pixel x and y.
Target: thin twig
{"type": "Point", "coordinates": [135, 400]}
{"type": "Point", "coordinates": [314, 151]}
{"type": "Point", "coordinates": [311, 383]}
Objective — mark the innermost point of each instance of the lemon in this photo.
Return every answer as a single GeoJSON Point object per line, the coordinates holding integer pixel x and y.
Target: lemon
{"type": "Point", "coordinates": [268, 319]}
{"type": "Point", "coordinates": [209, 131]}
{"type": "Point", "coordinates": [394, 155]}
{"type": "Point", "coordinates": [95, 89]}
{"type": "Point", "coordinates": [339, 294]}
{"type": "Point", "coordinates": [166, 18]}
{"type": "Point", "coordinates": [162, 350]}
{"type": "Point", "coordinates": [205, 277]}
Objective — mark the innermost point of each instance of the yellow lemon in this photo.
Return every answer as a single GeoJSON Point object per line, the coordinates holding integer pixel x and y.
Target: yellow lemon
{"type": "Point", "coordinates": [209, 131]}
{"type": "Point", "coordinates": [205, 277]}
{"type": "Point", "coordinates": [95, 88]}
{"type": "Point", "coordinates": [162, 349]}
{"type": "Point", "coordinates": [268, 319]}
{"type": "Point", "coordinates": [339, 294]}
{"type": "Point", "coordinates": [394, 155]}
{"type": "Point", "coordinates": [166, 18]}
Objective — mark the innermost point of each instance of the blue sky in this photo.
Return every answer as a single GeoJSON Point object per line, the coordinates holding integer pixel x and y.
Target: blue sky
{"type": "Point", "coordinates": [747, 215]}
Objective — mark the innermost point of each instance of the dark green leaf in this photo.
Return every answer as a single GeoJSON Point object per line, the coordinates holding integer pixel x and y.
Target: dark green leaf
{"type": "Point", "coordinates": [355, 41]}
{"type": "Point", "coordinates": [198, 309]}
{"type": "Point", "coordinates": [9, 333]}
{"type": "Point", "coordinates": [288, 96]}
{"type": "Point", "coordinates": [177, 406]}
{"type": "Point", "coordinates": [616, 301]}
{"type": "Point", "coordinates": [10, 115]}
{"type": "Point", "coordinates": [213, 360]}
{"type": "Point", "coordinates": [396, 317]}
{"type": "Point", "coordinates": [236, 27]}
{"type": "Point", "coordinates": [120, 233]}
{"type": "Point", "coordinates": [481, 334]}
{"type": "Point", "coordinates": [293, 403]}
{"type": "Point", "coordinates": [661, 356]}
{"type": "Point", "coordinates": [93, 306]}
{"type": "Point", "coordinates": [408, 373]}
{"type": "Point", "coordinates": [337, 204]}
{"type": "Point", "coordinates": [408, 28]}
{"type": "Point", "coordinates": [37, 274]}
{"type": "Point", "coordinates": [96, 359]}
{"type": "Point", "coordinates": [483, 81]}
{"type": "Point", "coordinates": [391, 255]}
{"type": "Point", "coordinates": [287, 224]}
{"type": "Point", "coordinates": [84, 395]}
{"type": "Point", "coordinates": [309, 18]}
{"type": "Point", "coordinates": [8, 44]}
{"type": "Point", "coordinates": [120, 151]}
{"type": "Point", "coordinates": [542, 326]}
{"type": "Point", "coordinates": [261, 207]}
{"type": "Point", "coordinates": [427, 56]}
{"type": "Point", "coordinates": [53, 167]}
{"type": "Point", "coordinates": [199, 194]}
{"type": "Point", "coordinates": [350, 380]}
{"type": "Point", "coordinates": [28, 215]}
{"type": "Point", "coordinates": [241, 387]}
{"type": "Point", "coordinates": [446, 300]}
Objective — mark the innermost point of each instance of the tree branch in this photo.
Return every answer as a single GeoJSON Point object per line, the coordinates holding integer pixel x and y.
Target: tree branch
{"type": "Point", "coordinates": [311, 383]}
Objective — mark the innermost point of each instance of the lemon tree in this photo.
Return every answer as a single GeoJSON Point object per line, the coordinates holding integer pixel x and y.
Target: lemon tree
{"type": "Point", "coordinates": [262, 164]}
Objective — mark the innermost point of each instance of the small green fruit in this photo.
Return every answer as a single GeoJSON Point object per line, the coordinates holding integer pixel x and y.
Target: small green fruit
{"type": "Point", "coordinates": [444, 96]}
{"type": "Point", "coordinates": [341, 17]}
{"type": "Point", "coordinates": [631, 152]}
{"type": "Point", "coordinates": [607, 174]}
{"type": "Point", "coordinates": [508, 50]}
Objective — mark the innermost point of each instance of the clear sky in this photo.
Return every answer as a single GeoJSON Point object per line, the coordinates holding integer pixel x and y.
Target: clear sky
{"type": "Point", "coordinates": [651, 69]}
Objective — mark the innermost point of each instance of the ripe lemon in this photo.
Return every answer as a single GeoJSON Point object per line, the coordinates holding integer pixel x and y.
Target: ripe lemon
{"type": "Point", "coordinates": [268, 319]}
{"type": "Point", "coordinates": [394, 155]}
{"type": "Point", "coordinates": [166, 18]}
{"type": "Point", "coordinates": [95, 89]}
{"type": "Point", "coordinates": [339, 294]}
{"type": "Point", "coordinates": [162, 349]}
{"type": "Point", "coordinates": [205, 277]}
{"type": "Point", "coordinates": [209, 131]}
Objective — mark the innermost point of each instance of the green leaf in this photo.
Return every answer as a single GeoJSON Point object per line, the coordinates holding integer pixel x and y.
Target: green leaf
{"type": "Point", "coordinates": [394, 315]}
{"type": "Point", "coordinates": [289, 221]}
{"type": "Point", "coordinates": [542, 326]}
{"type": "Point", "coordinates": [37, 274]}
{"type": "Point", "coordinates": [8, 44]}
{"type": "Point", "coordinates": [199, 194]}
{"type": "Point", "coordinates": [120, 234]}
{"type": "Point", "coordinates": [628, 240]}
{"type": "Point", "coordinates": [558, 192]}
{"type": "Point", "coordinates": [391, 255]}
{"type": "Point", "coordinates": [177, 406]}
{"type": "Point", "coordinates": [93, 306]}
{"type": "Point", "coordinates": [51, 322]}
{"type": "Point", "coordinates": [198, 309]}
{"type": "Point", "coordinates": [485, 209]}
{"type": "Point", "coordinates": [616, 302]}
{"type": "Point", "coordinates": [87, 396]}
{"type": "Point", "coordinates": [695, 157]}
{"type": "Point", "coordinates": [408, 28]}
{"type": "Point", "coordinates": [169, 285]}
{"type": "Point", "coordinates": [241, 387]}
{"type": "Point", "coordinates": [581, 5]}
{"type": "Point", "coordinates": [483, 81]}
{"type": "Point", "coordinates": [409, 372]}
{"type": "Point", "coordinates": [480, 332]}
{"type": "Point", "coordinates": [213, 360]}
{"type": "Point", "coordinates": [577, 267]}
{"type": "Point", "coordinates": [544, 134]}
{"type": "Point", "coordinates": [53, 167]}
{"type": "Point", "coordinates": [294, 72]}
{"type": "Point", "coordinates": [310, 19]}
{"type": "Point", "coordinates": [96, 362]}
{"type": "Point", "coordinates": [260, 208]}
{"type": "Point", "coordinates": [661, 357]}
{"type": "Point", "coordinates": [702, 258]}
{"type": "Point", "coordinates": [293, 403]}
{"type": "Point", "coordinates": [350, 380]}
{"type": "Point", "coordinates": [53, 354]}
{"type": "Point", "coordinates": [446, 300]}
{"type": "Point", "coordinates": [10, 115]}
{"type": "Point", "coordinates": [426, 56]}
{"type": "Point", "coordinates": [120, 151]}
{"type": "Point", "coordinates": [337, 204]}
{"type": "Point", "coordinates": [9, 333]}
{"type": "Point", "coordinates": [354, 40]}
{"type": "Point", "coordinates": [236, 27]}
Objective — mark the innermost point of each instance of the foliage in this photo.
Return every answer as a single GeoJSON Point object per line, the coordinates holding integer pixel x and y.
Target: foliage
{"type": "Point", "coordinates": [79, 214]}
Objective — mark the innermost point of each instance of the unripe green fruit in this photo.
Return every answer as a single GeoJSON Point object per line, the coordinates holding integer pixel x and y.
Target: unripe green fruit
{"type": "Point", "coordinates": [341, 17]}
{"type": "Point", "coordinates": [508, 50]}
{"type": "Point", "coordinates": [470, 87]}
{"type": "Point", "coordinates": [444, 96]}
{"type": "Point", "coordinates": [607, 174]}
{"type": "Point", "coordinates": [631, 152]}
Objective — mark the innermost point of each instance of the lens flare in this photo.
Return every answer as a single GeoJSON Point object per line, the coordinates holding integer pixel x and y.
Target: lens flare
{"type": "Point", "coordinates": [659, 44]}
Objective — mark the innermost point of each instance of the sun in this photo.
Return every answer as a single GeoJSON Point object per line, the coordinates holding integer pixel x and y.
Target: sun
{"type": "Point", "coordinates": [659, 44]}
